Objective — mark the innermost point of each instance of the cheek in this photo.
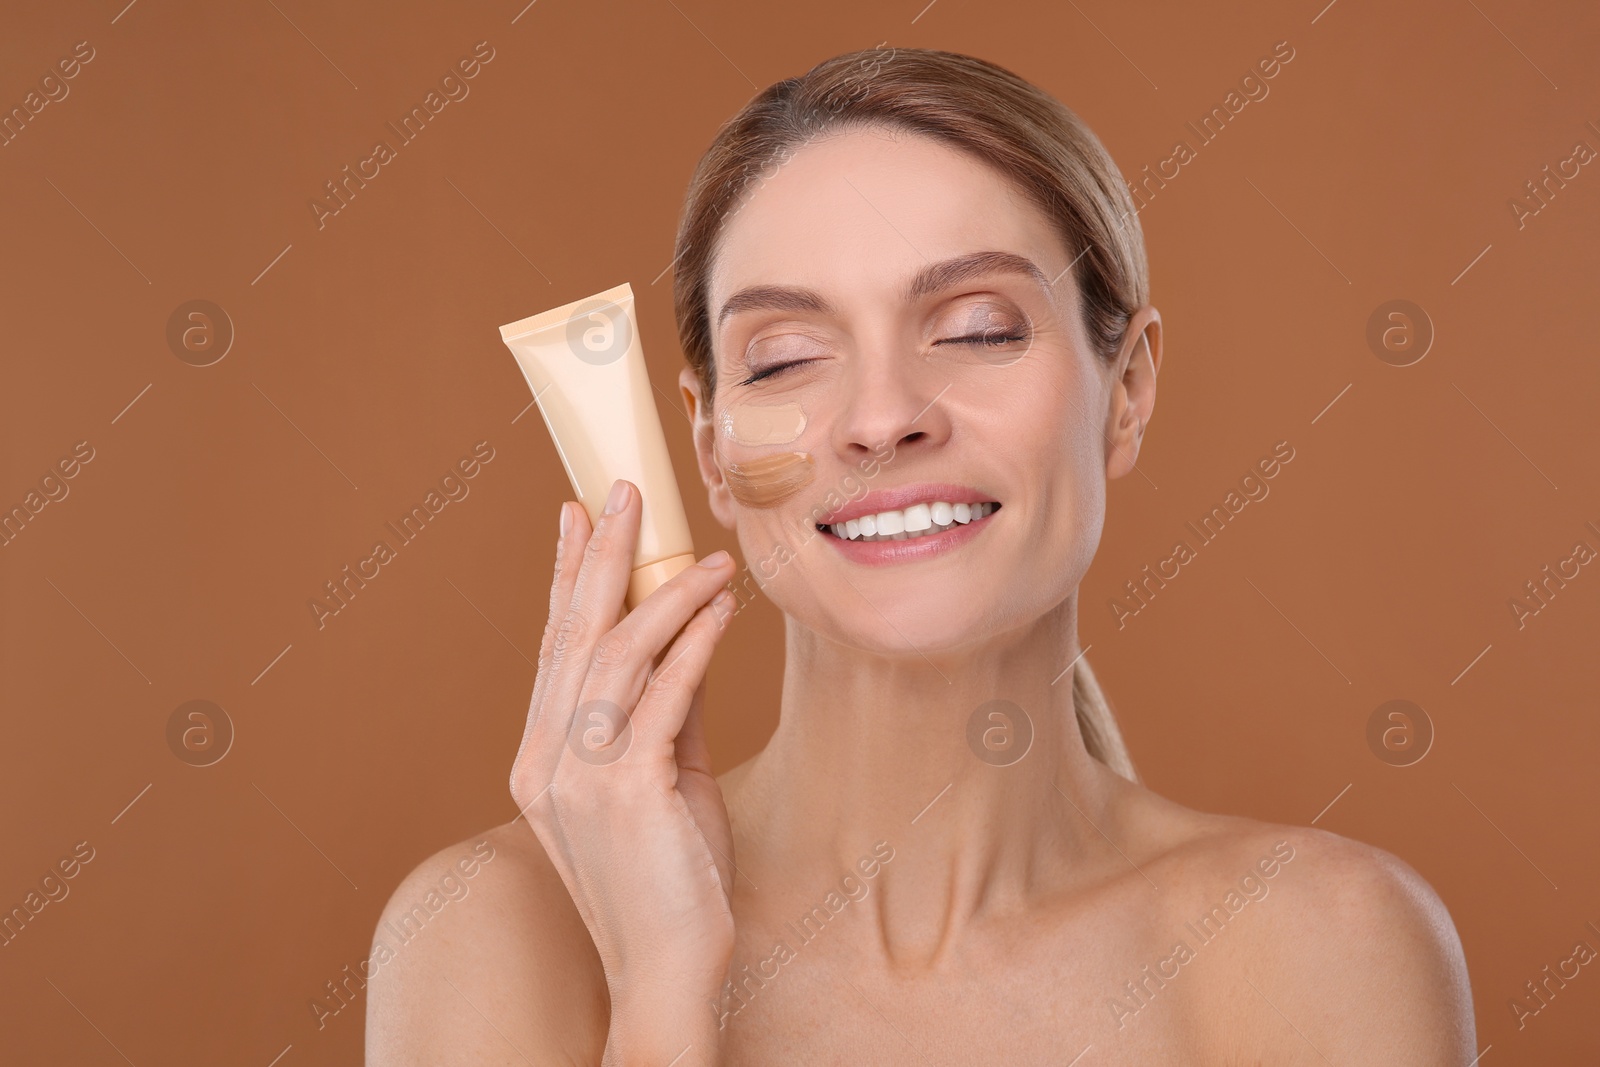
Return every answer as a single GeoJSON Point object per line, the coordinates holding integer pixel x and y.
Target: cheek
{"type": "Point", "coordinates": [753, 425]}
{"type": "Point", "coordinates": [1074, 406]}
{"type": "Point", "coordinates": [1043, 415]}
{"type": "Point", "coordinates": [759, 451]}
{"type": "Point", "coordinates": [777, 458]}
{"type": "Point", "coordinates": [766, 450]}
{"type": "Point", "coordinates": [1049, 422]}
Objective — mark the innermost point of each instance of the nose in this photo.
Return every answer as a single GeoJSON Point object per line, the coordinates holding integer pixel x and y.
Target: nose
{"type": "Point", "coordinates": [891, 402]}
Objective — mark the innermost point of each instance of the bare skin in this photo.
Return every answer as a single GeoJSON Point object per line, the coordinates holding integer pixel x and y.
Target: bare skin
{"type": "Point", "coordinates": [875, 891]}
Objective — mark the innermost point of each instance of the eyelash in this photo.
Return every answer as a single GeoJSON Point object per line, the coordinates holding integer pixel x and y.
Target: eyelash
{"type": "Point", "coordinates": [971, 339]}
{"type": "Point", "coordinates": [761, 375]}
{"type": "Point", "coordinates": [981, 339]}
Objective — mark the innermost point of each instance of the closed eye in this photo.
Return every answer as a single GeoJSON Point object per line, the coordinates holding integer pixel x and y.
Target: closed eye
{"type": "Point", "coordinates": [982, 339]}
{"type": "Point", "coordinates": [773, 371]}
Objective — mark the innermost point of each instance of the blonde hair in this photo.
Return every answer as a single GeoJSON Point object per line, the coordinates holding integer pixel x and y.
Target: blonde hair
{"type": "Point", "coordinates": [1098, 723]}
{"type": "Point", "coordinates": [979, 108]}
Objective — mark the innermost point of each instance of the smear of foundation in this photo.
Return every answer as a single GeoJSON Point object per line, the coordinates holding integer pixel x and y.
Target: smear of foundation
{"type": "Point", "coordinates": [768, 481]}
{"type": "Point", "coordinates": [763, 424]}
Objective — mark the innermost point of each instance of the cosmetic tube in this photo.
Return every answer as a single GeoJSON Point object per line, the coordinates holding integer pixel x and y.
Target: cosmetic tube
{"type": "Point", "coordinates": [585, 365]}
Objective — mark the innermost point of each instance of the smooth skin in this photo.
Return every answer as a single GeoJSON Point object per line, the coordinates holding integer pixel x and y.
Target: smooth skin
{"type": "Point", "coordinates": [960, 912]}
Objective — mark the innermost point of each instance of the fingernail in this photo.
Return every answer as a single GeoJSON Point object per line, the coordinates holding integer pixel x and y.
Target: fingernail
{"type": "Point", "coordinates": [566, 520]}
{"type": "Point", "coordinates": [722, 601]}
{"type": "Point", "coordinates": [618, 498]}
{"type": "Point", "coordinates": [715, 560]}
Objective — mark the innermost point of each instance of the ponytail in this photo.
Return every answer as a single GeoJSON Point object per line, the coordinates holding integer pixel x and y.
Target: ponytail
{"type": "Point", "coordinates": [1098, 723]}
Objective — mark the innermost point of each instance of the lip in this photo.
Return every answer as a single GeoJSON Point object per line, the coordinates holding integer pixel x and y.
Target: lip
{"type": "Point", "coordinates": [928, 546]}
{"type": "Point", "coordinates": [902, 497]}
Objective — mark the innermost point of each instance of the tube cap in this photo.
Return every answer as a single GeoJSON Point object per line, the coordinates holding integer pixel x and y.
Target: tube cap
{"type": "Point", "coordinates": [653, 576]}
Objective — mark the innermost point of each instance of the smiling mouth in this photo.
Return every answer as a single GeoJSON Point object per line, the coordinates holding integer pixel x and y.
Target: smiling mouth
{"type": "Point", "coordinates": [908, 524]}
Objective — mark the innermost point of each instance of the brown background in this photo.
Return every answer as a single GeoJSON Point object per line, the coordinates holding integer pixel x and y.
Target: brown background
{"type": "Point", "coordinates": [366, 362]}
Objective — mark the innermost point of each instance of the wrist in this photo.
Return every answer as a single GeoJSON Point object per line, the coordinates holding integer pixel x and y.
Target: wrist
{"type": "Point", "coordinates": [676, 1029]}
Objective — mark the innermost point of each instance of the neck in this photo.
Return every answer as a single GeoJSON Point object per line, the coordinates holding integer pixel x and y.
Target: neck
{"type": "Point", "coordinates": [970, 766]}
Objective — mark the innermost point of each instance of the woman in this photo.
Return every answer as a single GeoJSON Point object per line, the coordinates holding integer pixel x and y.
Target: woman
{"type": "Point", "coordinates": [913, 296]}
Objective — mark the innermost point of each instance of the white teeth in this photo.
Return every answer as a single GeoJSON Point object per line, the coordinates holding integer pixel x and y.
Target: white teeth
{"type": "Point", "coordinates": [918, 520]}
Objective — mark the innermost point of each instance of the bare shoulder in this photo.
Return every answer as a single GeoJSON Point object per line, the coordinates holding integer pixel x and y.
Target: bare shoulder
{"type": "Point", "coordinates": [1325, 948]}
{"type": "Point", "coordinates": [481, 957]}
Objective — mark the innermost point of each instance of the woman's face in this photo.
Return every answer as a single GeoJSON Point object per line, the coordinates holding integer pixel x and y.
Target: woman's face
{"type": "Point", "coordinates": [897, 334]}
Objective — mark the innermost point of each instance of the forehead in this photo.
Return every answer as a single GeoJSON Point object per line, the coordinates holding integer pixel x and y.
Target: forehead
{"type": "Point", "coordinates": [857, 213]}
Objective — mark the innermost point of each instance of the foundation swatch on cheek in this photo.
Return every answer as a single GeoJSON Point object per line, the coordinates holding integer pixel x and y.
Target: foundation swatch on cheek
{"type": "Point", "coordinates": [763, 424]}
{"type": "Point", "coordinates": [768, 481]}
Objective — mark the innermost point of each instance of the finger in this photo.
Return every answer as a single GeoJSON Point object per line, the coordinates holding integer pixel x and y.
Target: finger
{"type": "Point", "coordinates": [692, 751]}
{"type": "Point", "coordinates": [604, 567]}
{"type": "Point", "coordinates": [624, 656]}
{"type": "Point", "coordinates": [659, 717]}
{"type": "Point", "coordinates": [572, 533]}
{"type": "Point", "coordinates": [531, 770]}
{"type": "Point", "coordinates": [575, 530]}
{"type": "Point", "coordinates": [603, 572]}
{"type": "Point", "coordinates": [699, 786]}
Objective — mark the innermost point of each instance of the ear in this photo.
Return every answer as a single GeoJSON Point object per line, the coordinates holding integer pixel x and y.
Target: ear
{"type": "Point", "coordinates": [705, 447]}
{"type": "Point", "coordinates": [1133, 391]}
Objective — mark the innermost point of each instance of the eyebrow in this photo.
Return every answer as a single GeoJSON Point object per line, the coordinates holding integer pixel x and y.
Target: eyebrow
{"type": "Point", "coordinates": [931, 279]}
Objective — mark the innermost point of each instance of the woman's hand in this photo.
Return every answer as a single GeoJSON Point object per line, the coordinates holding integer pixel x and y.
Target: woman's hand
{"type": "Point", "coordinates": [614, 778]}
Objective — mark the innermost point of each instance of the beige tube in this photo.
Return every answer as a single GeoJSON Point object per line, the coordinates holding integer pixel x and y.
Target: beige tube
{"type": "Point", "coordinates": [585, 365]}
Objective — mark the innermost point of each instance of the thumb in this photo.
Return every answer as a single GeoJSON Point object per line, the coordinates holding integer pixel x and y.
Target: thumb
{"type": "Point", "coordinates": [692, 752]}
{"type": "Point", "coordinates": [700, 789]}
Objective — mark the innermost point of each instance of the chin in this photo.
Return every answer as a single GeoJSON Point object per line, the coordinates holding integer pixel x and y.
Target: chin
{"type": "Point", "coordinates": [923, 619]}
